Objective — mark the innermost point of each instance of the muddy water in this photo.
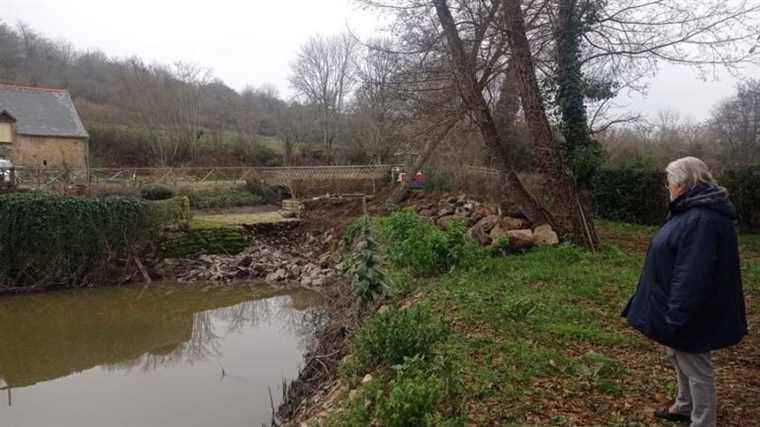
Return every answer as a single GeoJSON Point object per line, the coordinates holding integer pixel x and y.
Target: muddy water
{"type": "Point", "coordinates": [165, 356]}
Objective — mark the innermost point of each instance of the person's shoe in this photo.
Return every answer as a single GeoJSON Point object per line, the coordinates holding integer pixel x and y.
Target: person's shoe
{"type": "Point", "coordinates": [665, 414]}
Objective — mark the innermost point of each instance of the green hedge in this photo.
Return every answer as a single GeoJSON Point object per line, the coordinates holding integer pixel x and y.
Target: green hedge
{"type": "Point", "coordinates": [157, 192]}
{"type": "Point", "coordinates": [744, 190]}
{"type": "Point", "coordinates": [56, 241]}
{"type": "Point", "coordinates": [222, 198]}
{"type": "Point", "coordinates": [631, 195]}
{"type": "Point", "coordinates": [639, 196]}
{"type": "Point", "coordinates": [171, 214]}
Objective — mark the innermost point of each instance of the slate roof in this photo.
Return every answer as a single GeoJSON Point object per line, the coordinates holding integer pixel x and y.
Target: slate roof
{"type": "Point", "coordinates": [42, 112]}
{"type": "Point", "coordinates": [6, 116]}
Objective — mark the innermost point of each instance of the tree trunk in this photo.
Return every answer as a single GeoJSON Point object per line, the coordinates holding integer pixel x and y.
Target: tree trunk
{"type": "Point", "coordinates": [465, 76]}
{"type": "Point", "coordinates": [584, 153]}
{"type": "Point", "coordinates": [560, 190]}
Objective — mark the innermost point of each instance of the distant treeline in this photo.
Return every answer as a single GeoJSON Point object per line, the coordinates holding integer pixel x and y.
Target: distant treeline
{"type": "Point", "coordinates": [356, 104]}
{"type": "Point", "coordinates": [148, 114]}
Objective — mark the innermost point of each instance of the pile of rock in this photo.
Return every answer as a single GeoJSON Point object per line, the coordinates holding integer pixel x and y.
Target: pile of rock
{"type": "Point", "coordinates": [300, 262]}
{"type": "Point", "coordinates": [488, 226]}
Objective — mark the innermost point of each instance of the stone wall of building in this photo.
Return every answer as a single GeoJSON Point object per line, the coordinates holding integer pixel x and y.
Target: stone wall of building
{"type": "Point", "coordinates": [50, 152]}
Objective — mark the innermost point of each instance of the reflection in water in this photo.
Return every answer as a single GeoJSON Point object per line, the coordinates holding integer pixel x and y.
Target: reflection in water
{"type": "Point", "coordinates": [172, 356]}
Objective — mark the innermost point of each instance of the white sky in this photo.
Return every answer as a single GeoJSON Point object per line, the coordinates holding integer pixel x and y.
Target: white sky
{"type": "Point", "coordinates": [254, 41]}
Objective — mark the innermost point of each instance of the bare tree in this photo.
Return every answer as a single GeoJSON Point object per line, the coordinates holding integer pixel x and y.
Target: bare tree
{"type": "Point", "coordinates": [377, 115]}
{"type": "Point", "coordinates": [168, 102]}
{"type": "Point", "coordinates": [736, 125]}
{"type": "Point", "coordinates": [323, 73]}
{"type": "Point", "coordinates": [187, 93]}
{"type": "Point", "coordinates": [296, 128]}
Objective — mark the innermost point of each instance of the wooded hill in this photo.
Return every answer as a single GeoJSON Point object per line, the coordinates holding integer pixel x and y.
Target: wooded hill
{"type": "Point", "coordinates": [148, 114]}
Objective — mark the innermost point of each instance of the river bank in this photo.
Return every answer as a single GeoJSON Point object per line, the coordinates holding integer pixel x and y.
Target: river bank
{"type": "Point", "coordinates": [471, 331]}
{"type": "Point", "coordinates": [533, 338]}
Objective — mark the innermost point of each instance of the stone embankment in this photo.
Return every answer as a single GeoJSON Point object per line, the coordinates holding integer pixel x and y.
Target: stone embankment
{"type": "Point", "coordinates": [296, 257]}
{"type": "Point", "coordinates": [287, 259]}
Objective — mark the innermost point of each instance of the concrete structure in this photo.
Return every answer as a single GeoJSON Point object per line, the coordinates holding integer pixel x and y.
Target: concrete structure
{"type": "Point", "coordinates": [40, 128]}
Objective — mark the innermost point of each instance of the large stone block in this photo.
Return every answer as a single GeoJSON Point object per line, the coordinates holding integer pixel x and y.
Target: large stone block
{"type": "Point", "coordinates": [480, 232]}
{"type": "Point", "coordinates": [545, 235]}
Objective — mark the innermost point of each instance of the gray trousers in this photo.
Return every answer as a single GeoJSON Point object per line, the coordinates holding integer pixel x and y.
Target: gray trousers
{"type": "Point", "coordinates": [696, 388]}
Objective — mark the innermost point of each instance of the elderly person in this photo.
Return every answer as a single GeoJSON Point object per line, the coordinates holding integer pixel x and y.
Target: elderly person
{"type": "Point", "coordinates": [689, 297]}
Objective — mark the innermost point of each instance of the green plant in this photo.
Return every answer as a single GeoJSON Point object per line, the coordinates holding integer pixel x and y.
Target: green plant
{"type": "Point", "coordinates": [157, 192]}
{"type": "Point", "coordinates": [55, 241]}
{"type": "Point", "coordinates": [391, 336]}
{"type": "Point", "coordinates": [355, 229]}
{"type": "Point", "coordinates": [367, 278]}
{"type": "Point", "coordinates": [414, 242]}
{"type": "Point", "coordinates": [411, 402]}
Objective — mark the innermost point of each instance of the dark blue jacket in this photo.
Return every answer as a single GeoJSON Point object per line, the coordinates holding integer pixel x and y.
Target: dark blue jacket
{"type": "Point", "coordinates": [690, 294]}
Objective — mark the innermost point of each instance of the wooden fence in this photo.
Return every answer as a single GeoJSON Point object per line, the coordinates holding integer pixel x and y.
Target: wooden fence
{"type": "Point", "coordinates": [195, 177]}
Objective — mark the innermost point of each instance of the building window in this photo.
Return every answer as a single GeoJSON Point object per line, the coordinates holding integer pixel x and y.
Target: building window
{"type": "Point", "coordinates": [5, 133]}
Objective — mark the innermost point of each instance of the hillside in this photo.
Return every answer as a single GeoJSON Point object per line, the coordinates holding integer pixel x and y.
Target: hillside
{"type": "Point", "coordinates": [136, 112]}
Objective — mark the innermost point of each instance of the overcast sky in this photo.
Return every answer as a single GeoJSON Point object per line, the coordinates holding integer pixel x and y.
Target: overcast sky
{"type": "Point", "coordinates": [254, 41]}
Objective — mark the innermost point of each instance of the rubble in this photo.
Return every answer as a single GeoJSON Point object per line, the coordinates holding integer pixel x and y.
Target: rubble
{"type": "Point", "coordinates": [488, 226]}
{"type": "Point", "coordinates": [481, 231]}
{"type": "Point", "coordinates": [305, 262]}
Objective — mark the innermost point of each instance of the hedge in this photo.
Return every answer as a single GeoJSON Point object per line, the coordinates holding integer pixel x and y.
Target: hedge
{"type": "Point", "coordinates": [172, 214]}
{"type": "Point", "coordinates": [222, 198]}
{"type": "Point", "coordinates": [631, 195]}
{"type": "Point", "coordinates": [157, 192]}
{"type": "Point", "coordinates": [639, 196]}
{"type": "Point", "coordinates": [58, 241]}
{"type": "Point", "coordinates": [744, 190]}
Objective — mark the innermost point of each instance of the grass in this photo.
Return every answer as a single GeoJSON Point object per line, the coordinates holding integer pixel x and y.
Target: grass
{"type": "Point", "coordinates": [200, 222]}
{"type": "Point", "coordinates": [539, 340]}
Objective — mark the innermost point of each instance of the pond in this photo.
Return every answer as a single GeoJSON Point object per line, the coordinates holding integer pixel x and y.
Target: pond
{"type": "Point", "coordinates": [167, 355]}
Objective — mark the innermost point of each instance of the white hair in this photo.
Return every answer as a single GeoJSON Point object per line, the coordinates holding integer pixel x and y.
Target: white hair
{"type": "Point", "coordinates": [688, 172]}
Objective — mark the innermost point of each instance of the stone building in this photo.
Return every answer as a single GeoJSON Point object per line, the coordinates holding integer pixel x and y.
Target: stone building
{"type": "Point", "coordinates": [40, 128]}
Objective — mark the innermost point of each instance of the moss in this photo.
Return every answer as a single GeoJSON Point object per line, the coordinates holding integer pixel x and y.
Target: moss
{"type": "Point", "coordinates": [215, 241]}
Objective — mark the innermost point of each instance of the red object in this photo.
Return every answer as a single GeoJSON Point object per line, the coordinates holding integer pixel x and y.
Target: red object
{"type": "Point", "coordinates": [418, 181]}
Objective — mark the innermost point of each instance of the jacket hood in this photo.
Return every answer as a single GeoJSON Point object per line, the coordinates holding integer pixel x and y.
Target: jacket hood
{"type": "Point", "coordinates": [705, 196]}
